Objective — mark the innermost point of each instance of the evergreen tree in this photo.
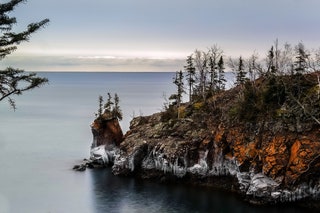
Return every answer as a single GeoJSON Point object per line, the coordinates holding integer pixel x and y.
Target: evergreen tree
{"type": "Point", "coordinates": [221, 77]}
{"type": "Point", "coordinates": [241, 73]}
{"type": "Point", "coordinates": [15, 81]}
{"type": "Point", "coordinates": [213, 85]}
{"type": "Point", "coordinates": [116, 111]}
{"type": "Point", "coordinates": [100, 106]}
{"type": "Point", "coordinates": [191, 72]}
{"type": "Point", "coordinates": [178, 81]}
{"type": "Point", "coordinates": [301, 59]}
{"type": "Point", "coordinates": [108, 105]}
{"type": "Point", "coordinates": [214, 55]}
{"type": "Point", "coordinates": [271, 64]}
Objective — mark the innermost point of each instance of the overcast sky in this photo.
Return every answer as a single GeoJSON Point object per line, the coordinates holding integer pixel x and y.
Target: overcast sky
{"type": "Point", "coordinates": [156, 35]}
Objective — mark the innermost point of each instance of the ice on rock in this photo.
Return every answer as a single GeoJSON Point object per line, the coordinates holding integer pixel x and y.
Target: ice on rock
{"type": "Point", "coordinates": [103, 153]}
{"type": "Point", "coordinates": [131, 160]}
{"type": "Point", "coordinates": [201, 167]}
{"type": "Point", "coordinates": [253, 184]}
{"type": "Point", "coordinates": [119, 163]}
{"type": "Point", "coordinates": [244, 180]}
{"type": "Point", "coordinates": [261, 185]}
{"type": "Point", "coordinates": [157, 160]}
{"type": "Point", "coordinates": [302, 191]}
{"type": "Point", "coordinates": [98, 153]}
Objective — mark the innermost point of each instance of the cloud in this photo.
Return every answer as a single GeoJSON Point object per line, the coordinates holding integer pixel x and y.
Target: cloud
{"type": "Point", "coordinates": [92, 63]}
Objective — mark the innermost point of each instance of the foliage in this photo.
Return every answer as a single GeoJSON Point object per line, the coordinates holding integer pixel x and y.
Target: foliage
{"type": "Point", "coordinates": [15, 81]}
{"type": "Point", "coordinates": [111, 109]}
{"type": "Point", "coordinates": [221, 77]}
{"type": "Point", "coordinates": [108, 105]}
{"type": "Point", "coordinates": [178, 81]}
{"type": "Point", "coordinates": [277, 86]}
{"type": "Point", "coordinates": [169, 113]}
{"type": "Point", "coordinates": [116, 111]}
{"type": "Point", "coordinates": [191, 72]}
{"type": "Point", "coordinates": [100, 100]}
{"type": "Point", "coordinates": [198, 105]}
{"type": "Point", "coordinates": [241, 73]}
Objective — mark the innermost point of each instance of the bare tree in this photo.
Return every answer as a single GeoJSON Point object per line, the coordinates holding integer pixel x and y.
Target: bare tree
{"type": "Point", "coordinates": [285, 59]}
{"type": "Point", "coordinates": [253, 66]}
{"type": "Point", "coordinates": [200, 60]}
{"type": "Point", "coordinates": [214, 55]}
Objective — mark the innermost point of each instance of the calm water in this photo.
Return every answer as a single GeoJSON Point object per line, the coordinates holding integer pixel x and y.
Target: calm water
{"type": "Point", "coordinates": [49, 133]}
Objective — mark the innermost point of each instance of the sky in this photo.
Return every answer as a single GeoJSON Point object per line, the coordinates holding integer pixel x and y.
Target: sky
{"type": "Point", "coordinates": [155, 35]}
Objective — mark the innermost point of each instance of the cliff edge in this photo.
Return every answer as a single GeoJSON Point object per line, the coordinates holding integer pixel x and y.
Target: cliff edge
{"type": "Point", "coordinates": [261, 139]}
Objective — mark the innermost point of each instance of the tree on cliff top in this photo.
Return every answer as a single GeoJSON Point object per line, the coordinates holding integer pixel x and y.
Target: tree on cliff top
{"type": "Point", "coordinates": [116, 111]}
{"type": "Point", "coordinates": [191, 72]}
{"type": "Point", "coordinates": [111, 109]}
{"type": "Point", "coordinates": [15, 81]}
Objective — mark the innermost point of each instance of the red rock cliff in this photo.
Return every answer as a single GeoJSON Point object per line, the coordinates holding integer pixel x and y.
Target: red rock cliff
{"type": "Point", "coordinates": [272, 154]}
{"type": "Point", "coordinates": [106, 131]}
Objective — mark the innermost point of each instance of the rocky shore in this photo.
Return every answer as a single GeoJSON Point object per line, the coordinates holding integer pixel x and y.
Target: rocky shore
{"type": "Point", "coordinates": [267, 161]}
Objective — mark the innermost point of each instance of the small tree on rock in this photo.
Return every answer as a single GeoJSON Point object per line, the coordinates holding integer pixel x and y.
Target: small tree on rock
{"type": "Point", "coordinates": [100, 109]}
{"type": "Point", "coordinates": [116, 111]}
{"type": "Point", "coordinates": [108, 105]}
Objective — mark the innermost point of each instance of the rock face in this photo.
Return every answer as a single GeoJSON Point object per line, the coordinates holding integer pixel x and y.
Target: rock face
{"type": "Point", "coordinates": [107, 136]}
{"type": "Point", "coordinates": [106, 131]}
{"type": "Point", "coordinates": [277, 169]}
{"type": "Point", "coordinates": [268, 160]}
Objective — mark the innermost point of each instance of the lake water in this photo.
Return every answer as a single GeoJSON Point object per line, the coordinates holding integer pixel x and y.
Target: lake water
{"type": "Point", "coordinates": [50, 132]}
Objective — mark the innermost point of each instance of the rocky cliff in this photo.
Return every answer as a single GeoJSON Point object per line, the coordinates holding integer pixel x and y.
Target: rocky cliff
{"type": "Point", "coordinates": [270, 155]}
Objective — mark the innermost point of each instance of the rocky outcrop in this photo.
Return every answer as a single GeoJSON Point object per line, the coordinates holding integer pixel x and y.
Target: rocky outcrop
{"type": "Point", "coordinates": [106, 131]}
{"type": "Point", "coordinates": [107, 136]}
{"type": "Point", "coordinates": [267, 160]}
{"type": "Point", "coordinates": [277, 169]}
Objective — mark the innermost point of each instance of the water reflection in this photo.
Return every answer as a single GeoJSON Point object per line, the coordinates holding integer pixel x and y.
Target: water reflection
{"type": "Point", "coordinates": [122, 194]}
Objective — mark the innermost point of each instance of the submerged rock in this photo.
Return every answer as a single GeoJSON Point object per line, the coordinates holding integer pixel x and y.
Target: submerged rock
{"type": "Point", "coordinates": [80, 168]}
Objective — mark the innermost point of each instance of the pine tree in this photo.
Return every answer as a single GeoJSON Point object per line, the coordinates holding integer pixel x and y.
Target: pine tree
{"type": "Point", "coordinates": [214, 54]}
{"type": "Point", "coordinates": [178, 81]}
{"type": "Point", "coordinates": [213, 85]}
{"type": "Point", "coordinates": [116, 111]}
{"type": "Point", "coordinates": [191, 72]}
{"type": "Point", "coordinates": [100, 106]}
{"type": "Point", "coordinates": [15, 81]}
{"type": "Point", "coordinates": [301, 59]}
{"type": "Point", "coordinates": [241, 73]}
{"type": "Point", "coordinates": [221, 77]}
{"type": "Point", "coordinates": [108, 105]}
{"type": "Point", "coordinates": [271, 64]}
